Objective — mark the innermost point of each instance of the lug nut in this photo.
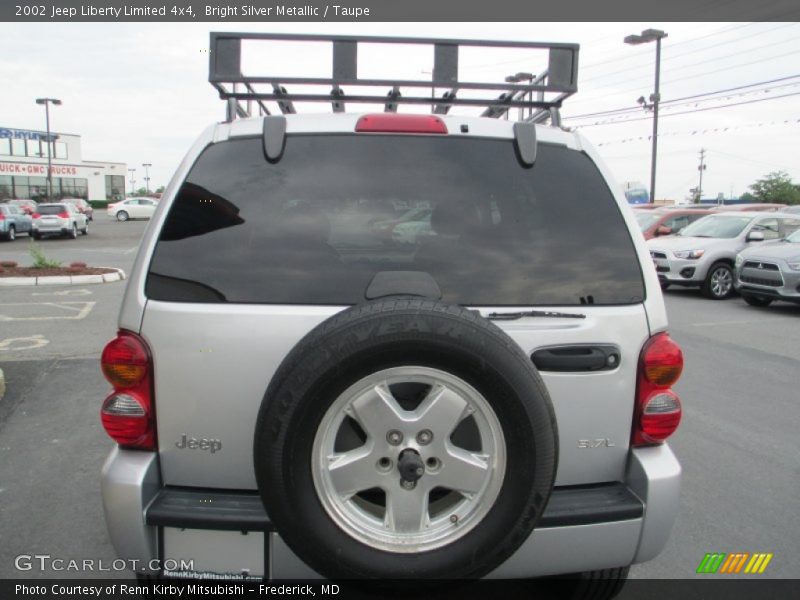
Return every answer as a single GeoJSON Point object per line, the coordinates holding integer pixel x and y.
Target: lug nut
{"type": "Point", "coordinates": [394, 437]}
{"type": "Point", "coordinates": [424, 437]}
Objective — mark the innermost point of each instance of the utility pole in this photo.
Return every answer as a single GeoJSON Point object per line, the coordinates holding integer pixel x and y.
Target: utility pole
{"type": "Point", "coordinates": [701, 167]}
{"type": "Point", "coordinates": [132, 180]}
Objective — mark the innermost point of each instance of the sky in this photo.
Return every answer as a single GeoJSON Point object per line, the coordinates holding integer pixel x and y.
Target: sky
{"type": "Point", "coordinates": [139, 93]}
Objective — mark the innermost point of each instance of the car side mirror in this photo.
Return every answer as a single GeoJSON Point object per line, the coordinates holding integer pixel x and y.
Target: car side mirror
{"type": "Point", "coordinates": [755, 236]}
{"type": "Point", "coordinates": [663, 230]}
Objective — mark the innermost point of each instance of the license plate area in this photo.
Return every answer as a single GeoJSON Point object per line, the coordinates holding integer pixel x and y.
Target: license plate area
{"type": "Point", "coordinates": [213, 554]}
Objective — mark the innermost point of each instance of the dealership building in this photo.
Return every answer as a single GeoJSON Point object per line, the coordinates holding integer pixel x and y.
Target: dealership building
{"type": "Point", "coordinates": [23, 168]}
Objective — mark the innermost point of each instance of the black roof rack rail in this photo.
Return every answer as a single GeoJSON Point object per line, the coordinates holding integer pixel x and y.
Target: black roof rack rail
{"type": "Point", "coordinates": [543, 93]}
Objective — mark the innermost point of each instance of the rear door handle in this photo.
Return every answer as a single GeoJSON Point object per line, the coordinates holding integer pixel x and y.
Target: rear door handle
{"type": "Point", "coordinates": [577, 358]}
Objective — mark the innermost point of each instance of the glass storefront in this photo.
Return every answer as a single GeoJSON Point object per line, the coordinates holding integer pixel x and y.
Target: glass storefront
{"type": "Point", "coordinates": [115, 188]}
{"type": "Point", "coordinates": [35, 188]}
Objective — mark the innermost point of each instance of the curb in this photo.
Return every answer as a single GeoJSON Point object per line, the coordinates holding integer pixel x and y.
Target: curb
{"type": "Point", "coordinates": [118, 275]}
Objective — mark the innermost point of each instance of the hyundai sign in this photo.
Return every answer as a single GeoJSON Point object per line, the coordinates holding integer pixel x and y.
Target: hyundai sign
{"type": "Point", "coordinates": [23, 134]}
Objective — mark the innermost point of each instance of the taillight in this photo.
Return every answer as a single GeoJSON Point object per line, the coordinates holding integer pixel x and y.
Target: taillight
{"type": "Point", "coordinates": [658, 409]}
{"type": "Point", "coordinates": [398, 123]}
{"type": "Point", "coordinates": [128, 414]}
{"type": "Point", "coordinates": [36, 215]}
{"type": "Point", "coordinates": [2, 216]}
{"type": "Point", "coordinates": [63, 214]}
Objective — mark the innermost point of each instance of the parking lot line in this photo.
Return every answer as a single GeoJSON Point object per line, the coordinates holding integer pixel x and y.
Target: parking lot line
{"type": "Point", "coordinates": [738, 322]}
{"type": "Point", "coordinates": [32, 311]}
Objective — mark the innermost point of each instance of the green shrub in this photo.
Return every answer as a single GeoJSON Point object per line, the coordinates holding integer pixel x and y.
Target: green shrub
{"type": "Point", "coordinates": [40, 261]}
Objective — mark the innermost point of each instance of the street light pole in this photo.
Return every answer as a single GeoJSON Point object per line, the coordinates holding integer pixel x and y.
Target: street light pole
{"type": "Point", "coordinates": [50, 145]}
{"type": "Point", "coordinates": [518, 78]}
{"type": "Point", "coordinates": [147, 176]}
{"type": "Point", "coordinates": [652, 35]}
{"type": "Point", "coordinates": [656, 100]}
{"type": "Point", "coordinates": [132, 180]}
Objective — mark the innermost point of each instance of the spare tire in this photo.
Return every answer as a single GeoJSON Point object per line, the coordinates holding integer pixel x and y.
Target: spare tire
{"type": "Point", "coordinates": [405, 438]}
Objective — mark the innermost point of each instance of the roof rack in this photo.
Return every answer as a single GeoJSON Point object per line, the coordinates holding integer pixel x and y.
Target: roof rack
{"type": "Point", "coordinates": [246, 94]}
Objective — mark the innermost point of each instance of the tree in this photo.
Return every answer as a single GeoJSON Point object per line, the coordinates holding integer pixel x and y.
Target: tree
{"type": "Point", "coordinates": [776, 187]}
{"type": "Point", "coordinates": [141, 191]}
{"type": "Point", "coordinates": [747, 197]}
{"type": "Point", "coordinates": [160, 189]}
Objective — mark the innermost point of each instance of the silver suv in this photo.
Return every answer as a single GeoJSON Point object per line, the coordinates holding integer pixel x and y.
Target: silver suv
{"type": "Point", "coordinates": [771, 271]}
{"type": "Point", "coordinates": [296, 394]}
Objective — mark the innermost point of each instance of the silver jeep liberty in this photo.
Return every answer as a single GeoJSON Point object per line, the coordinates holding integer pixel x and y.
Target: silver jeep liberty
{"type": "Point", "coordinates": [297, 393]}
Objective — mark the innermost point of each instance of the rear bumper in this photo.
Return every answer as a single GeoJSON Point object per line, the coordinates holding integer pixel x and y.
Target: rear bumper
{"type": "Point", "coordinates": [583, 528]}
{"type": "Point", "coordinates": [61, 228]}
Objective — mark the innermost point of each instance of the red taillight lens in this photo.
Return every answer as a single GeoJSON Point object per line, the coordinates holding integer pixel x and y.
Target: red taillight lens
{"type": "Point", "coordinates": [125, 360]}
{"type": "Point", "coordinates": [662, 360]}
{"type": "Point", "coordinates": [128, 414]}
{"type": "Point", "coordinates": [2, 217]}
{"type": "Point", "coordinates": [63, 214]}
{"type": "Point", "coordinates": [658, 409]}
{"type": "Point", "coordinates": [396, 123]}
{"type": "Point", "coordinates": [36, 215]}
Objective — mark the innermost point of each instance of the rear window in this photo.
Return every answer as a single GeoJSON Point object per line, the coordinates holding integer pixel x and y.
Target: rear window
{"type": "Point", "coordinates": [53, 209]}
{"type": "Point", "coordinates": [645, 220]}
{"type": "Point", "coordinates": [317, 226]}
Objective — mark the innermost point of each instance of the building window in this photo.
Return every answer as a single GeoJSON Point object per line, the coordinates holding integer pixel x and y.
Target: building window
{"type": "Point", "coordinates": [115, 188]}
{"type": "Point", "coordinates": [6, 187]}
{"type": "Point", "coordinates": [18, 147]}
{"type": "Point", "coordinates": [71, 187]}
{"type": "Point", "coordinates": [5, 146]}
{"type": "Point", "coordinates": [37, 149]}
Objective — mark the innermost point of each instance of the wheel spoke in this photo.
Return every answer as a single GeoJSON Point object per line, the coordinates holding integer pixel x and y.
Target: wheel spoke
{"type": "Point", "coordinates": [377, 411]}
{"type": "Point", "coordinates": [353, 472]}
{"type": "Point", "coordinates": [407, 510]}
{"type": "Point", "coordinates": [441, 411]}
{"type": "Point", "coordinates": [462, 471]}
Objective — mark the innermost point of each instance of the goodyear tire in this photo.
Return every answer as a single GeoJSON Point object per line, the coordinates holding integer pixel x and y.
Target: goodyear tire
{"type": "Point", "coordinates": [405, 438]}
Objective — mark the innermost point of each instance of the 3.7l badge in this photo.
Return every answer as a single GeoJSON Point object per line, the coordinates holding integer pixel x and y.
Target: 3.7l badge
{"type": "Point", "coordinates": [596, 443]}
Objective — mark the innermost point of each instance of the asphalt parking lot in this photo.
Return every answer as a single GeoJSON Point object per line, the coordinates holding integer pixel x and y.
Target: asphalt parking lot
{"type": "Point", "coordinates": [741, 489]}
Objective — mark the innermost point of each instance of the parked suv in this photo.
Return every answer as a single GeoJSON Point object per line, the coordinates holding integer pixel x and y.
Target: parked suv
{"type": "Point", "coordinates": [296, 395]}
{"type": "Point", "coordinates": [703, 254]}
{"type": "Point", "coordinates": [61, 219]}
{"type": "Point", "coordinates": [771, 271]}
{"type": "Point", "coordinates": [13, 221]}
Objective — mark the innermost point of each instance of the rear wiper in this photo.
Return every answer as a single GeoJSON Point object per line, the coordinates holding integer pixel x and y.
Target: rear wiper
{"type": "Point", "coordinates": [532, 313]}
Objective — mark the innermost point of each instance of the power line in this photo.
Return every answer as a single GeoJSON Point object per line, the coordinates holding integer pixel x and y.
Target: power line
{"type": "Point", "coordinates": [686, 112]}
{"type": "Point", "coordinates": [728, 68]}
{"type": "Point", "coordinates": [672, 57]}
{"type": "Point", "coordinates": [728, 129]}
{"type": "Point", "coordinates": [752, 160]}
{"type": "Point", "coordinates": [627, 56]}
{"type": "Point", "coordinates": [692, 97]}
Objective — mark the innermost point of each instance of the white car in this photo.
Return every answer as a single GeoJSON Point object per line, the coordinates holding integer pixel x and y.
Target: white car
{"type": "Point", "coordinates": [132, 208]}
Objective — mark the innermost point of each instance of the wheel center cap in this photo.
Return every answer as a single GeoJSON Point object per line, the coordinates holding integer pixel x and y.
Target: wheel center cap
{"type": "Point", "coordinates": [410, 465]}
